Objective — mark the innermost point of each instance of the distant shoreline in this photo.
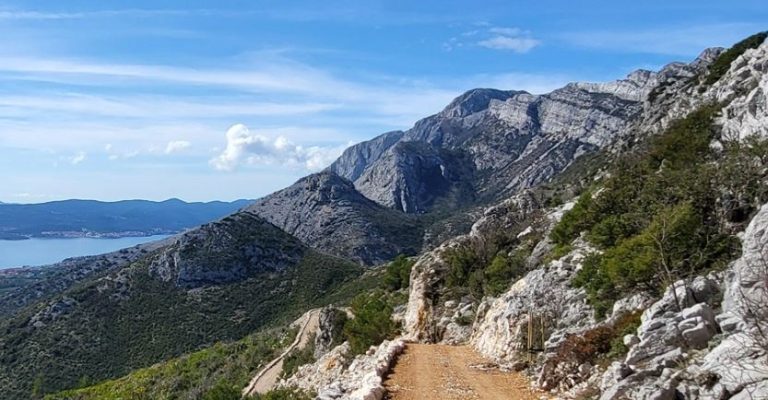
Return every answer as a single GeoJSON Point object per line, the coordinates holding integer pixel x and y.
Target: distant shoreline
{"type": "Point", "coordinates": [84, 235]}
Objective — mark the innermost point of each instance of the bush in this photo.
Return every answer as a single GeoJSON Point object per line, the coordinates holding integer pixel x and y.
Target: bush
{"type": "Point", "coordinates": [656, 216]}
{"type": "Point", "coordinates": [371, 323]}
{"type": "Point", "coordinates": [502, 271]}
{"type": "Point", "coordinates": [398, 273]}
{"type": "Point", "coordinates": [469, 273]}
{"type": "Point", "coordinates": [223, 391]}
{"type": "Point", "coordinates": [580, 349]}
{"type": "Point", "coordinates": [576, 220]}
{"type": "Point", "coordinates": [626, 325]}
{"type": "Point", "coordinates": [462, 261]}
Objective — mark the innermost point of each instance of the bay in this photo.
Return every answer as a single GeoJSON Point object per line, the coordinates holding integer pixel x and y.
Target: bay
{"type": "Point", "coordinates": [34, 252]}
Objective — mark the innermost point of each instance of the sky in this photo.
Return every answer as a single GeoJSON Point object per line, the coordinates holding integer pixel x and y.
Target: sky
{"type": "Point", "coordinates": [203, 100]}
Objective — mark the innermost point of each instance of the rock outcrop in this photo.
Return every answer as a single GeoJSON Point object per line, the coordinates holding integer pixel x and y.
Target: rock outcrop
{"type": "Point", "coordinates": [334, 377]}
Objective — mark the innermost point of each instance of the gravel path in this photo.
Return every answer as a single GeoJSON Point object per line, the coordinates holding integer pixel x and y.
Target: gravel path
{"type": "Point", "coordinates": [432, 372]}
{"type": "Point", "coordinates": [266, 379]}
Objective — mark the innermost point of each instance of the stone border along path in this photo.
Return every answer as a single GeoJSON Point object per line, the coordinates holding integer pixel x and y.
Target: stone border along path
{"type": "Point", "coordinates": [265, 380]}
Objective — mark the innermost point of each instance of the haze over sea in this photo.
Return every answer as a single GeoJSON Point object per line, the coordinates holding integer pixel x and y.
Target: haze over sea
{"type": "Point", "coordinates": [35, 252]}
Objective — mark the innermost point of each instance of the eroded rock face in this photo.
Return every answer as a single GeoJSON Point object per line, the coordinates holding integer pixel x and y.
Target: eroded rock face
{"type": "Point", "coordinates": [488, 143]}
{"type": "Point", "coordinates": [546, 293]}
{"type": "Point", "coordinates": [335, 377]}
{"type": "Point", "coordinates": [330, 323]}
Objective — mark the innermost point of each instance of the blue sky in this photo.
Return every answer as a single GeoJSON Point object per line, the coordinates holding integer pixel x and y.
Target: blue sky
{"type": "Point", "coordinates": [235, 99]}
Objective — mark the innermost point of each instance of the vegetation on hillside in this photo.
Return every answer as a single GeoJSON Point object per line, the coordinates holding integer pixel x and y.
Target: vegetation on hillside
{"type": "Point", "coordinates": [283, 394]}
{"type": "Point", "coordinates": [217, 371]}
{"type": "Point", "coordinates": [213, 373]}
{"type": "Point", "coordinates": [372, 322]}
{"type": "Point", "coordinates": [722, 63]}
{"type": "Point", "coordinates": [398, 273]}
{"type": "Point", "coordinates": [95, 334]}
{"type": "Point", "coordinates": [667, 211]}
{"type": "Point", "coordinates": [489, 270]}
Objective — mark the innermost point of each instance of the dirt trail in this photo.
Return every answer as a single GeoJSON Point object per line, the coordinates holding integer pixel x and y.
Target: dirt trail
{"type": "Point", "coordinates": [437, 372]}
{"type": "Point", "coordinates": [266, 379]}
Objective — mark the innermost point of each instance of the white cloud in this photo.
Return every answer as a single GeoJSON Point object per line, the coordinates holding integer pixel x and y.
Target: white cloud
{"type": "Point", "coordinates": [496, 38]}
{"type": "Point", "coordinates": [78, 158]}
{"type": "Point", "coordinates": [244, 147]}
{"type": "Point", "coordinates": [176, 146]}
{"type": "Point", "coordinates": [516, 44]}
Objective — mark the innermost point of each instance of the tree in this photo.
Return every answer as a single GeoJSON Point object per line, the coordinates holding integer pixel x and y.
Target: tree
{"type": "Point", "coordinates": [398, 273]}
{"type": "Point", "coordinates": [371, 323]}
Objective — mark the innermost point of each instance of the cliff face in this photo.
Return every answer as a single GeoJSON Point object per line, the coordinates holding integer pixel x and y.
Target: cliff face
{"type": "Point", "coordinates": [488, 144]}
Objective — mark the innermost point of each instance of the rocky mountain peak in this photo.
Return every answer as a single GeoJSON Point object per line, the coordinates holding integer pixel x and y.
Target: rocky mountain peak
{"type": "Point", "coordinates": [476, 100]}
{"type": "Point", "coordinates": [325, 211]}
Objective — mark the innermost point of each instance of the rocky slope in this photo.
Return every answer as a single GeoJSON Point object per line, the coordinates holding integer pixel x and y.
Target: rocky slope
{"type": "Point", "coordinates": [489, 288]}
{"type": "Point", "coordinates": [326, 212]}
{"type": "Point", "coordinates": [701, 338]}
{"type": "Point", "coordinates": [488, 144]}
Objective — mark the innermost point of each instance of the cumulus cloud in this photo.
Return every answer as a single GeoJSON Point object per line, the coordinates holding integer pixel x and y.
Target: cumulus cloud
{"type": "Point", "coordinates": [244, 147]}
{"type": "Point", "coordinates": [78, 158]}
{"type": "Point", "coordinates": [176, 146]}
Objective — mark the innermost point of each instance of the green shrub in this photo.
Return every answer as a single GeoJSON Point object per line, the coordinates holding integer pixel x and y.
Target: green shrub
{"type": "Point", "coordinates": [626, 325]}
{"type": "Point", "coordinates": [223, 391]}
{"type": "Point", "coordinates": [576, 220]}
{"type": "Point", "coordinates": [558, 252]}
{"type": "Point", "coordinates": [462, 261]}
{"type": "Point", "coordinates": [371, 323]}
{"type": "Point", "coordinates": [720, 66]}
{"type": "Point", "coordinates": [656, 216]}
{"type": "Point", "coordinates": [398, 273]}
{"type": "Point", "coordinates": [502, 271]}
{"type": "Point", "coordinates": [469, 273]}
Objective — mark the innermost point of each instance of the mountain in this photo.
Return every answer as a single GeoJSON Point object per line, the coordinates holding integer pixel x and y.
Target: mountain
{"type": "Point", "coordinates": [326, 212]}
{"type": "Point", "coordinates": [73, 218]}
{"type": "Point", "coordinates": [673, 166]}
{"type": "Point", "coordinates": [486, 144]}
{"type": "Point", "coordinates": [648, 281]}
{"type": "Point", "coordinates": [220, 281]}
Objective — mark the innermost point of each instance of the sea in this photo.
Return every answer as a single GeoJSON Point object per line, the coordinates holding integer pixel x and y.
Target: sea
{"type": "Point", "coordinates": [36, 252]}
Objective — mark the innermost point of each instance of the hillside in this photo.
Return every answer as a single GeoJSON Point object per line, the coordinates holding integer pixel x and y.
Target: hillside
{"type": "Point", "coordinates": [623, 221]}
{"type": "Point", "coordinates": [327, 213]}
{"type": "Point", "coordinates": [78, 218]}
{"type": "Point", "coordinates": [648, 282]}
{"type": "Point", "coordinates": [221, 281]}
